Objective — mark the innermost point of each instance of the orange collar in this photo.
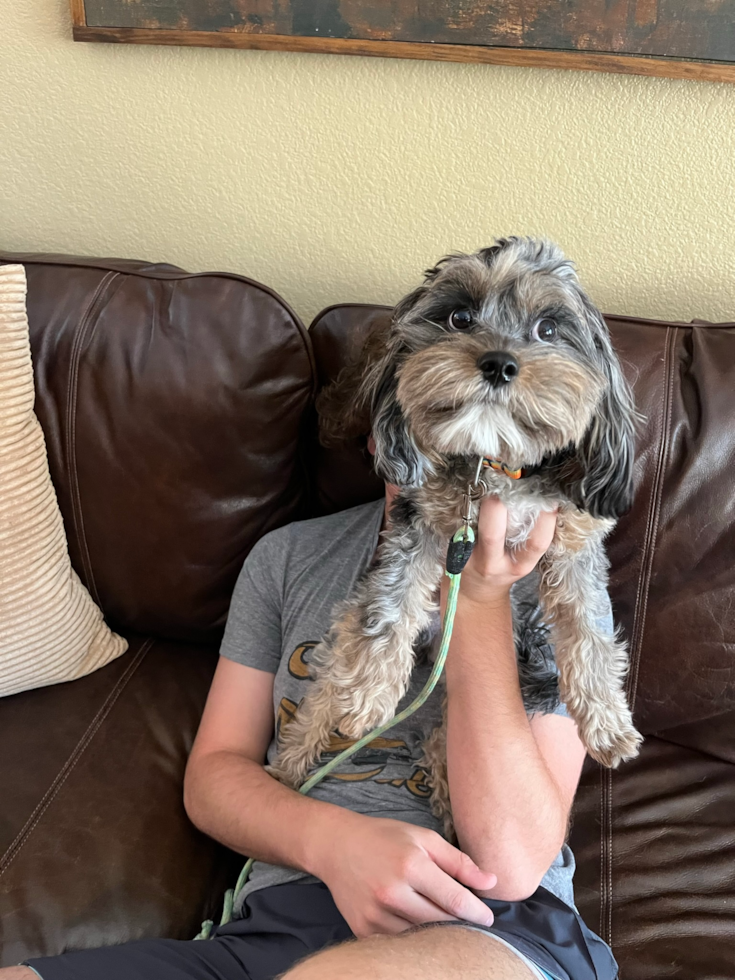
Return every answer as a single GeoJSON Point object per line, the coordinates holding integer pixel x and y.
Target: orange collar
{"type": "Point", "coordinates": [500, 467]}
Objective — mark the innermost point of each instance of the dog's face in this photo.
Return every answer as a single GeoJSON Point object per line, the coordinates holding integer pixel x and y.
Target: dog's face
{"type": "Point", "coordinates": [500, 353]}
{"type": "Point", "coordinates": [498, 358]}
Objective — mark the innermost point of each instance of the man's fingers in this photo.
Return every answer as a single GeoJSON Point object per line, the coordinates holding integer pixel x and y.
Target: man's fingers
{"type": "Point", "coordinates": [542, 533]}
{"type": "Point", "coordinates": [413, 905]}
{"type": "Point", "coordinates": [459, 865]}
{"type": "Point", "coordinates": [493, 519]}
{"type": "Point", "coordinates": [492, 527]}
{"type": "Point", "coordinates": [453, 898]}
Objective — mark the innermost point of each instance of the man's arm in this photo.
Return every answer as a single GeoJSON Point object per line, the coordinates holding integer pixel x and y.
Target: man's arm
{"type": "Point", "coordinates": [511, 780]}
{"type": "Point", "coordinates": [227, 792]}
{"type": "Point", "coordinates": [384, 875]}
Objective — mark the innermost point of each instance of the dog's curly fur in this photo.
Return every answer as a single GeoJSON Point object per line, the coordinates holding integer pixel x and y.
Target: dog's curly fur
{"type": "Point", "coordinates": [565, 413]}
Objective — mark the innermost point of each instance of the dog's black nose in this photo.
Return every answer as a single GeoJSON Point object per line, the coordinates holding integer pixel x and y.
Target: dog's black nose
{"type": "Point", "coordinates": [498, 367]}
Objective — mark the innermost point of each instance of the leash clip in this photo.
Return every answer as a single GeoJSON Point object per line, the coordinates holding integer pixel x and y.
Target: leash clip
{"type": "Point", "coordinates": [468, 501]}
{"type": "Point", "coordinates": [474, 492]}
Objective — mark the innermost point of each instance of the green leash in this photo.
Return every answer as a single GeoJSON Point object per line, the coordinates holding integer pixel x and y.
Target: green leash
{"type": "Point", "coordinates": [459, 552]}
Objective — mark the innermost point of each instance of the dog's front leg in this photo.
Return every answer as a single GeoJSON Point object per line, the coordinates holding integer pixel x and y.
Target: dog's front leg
{"type": "Point", "coordinates": [592, 664]}
{"type": "Point", "coordinates": [363, 666]}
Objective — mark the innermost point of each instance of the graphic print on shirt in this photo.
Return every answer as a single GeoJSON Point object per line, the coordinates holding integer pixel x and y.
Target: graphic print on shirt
{"type": "Point", "coordinates": [372, 760]}
{"type": "Point", "coordinates": [416, 784]}
{"type": "Point", "coordinates": [297, 665]}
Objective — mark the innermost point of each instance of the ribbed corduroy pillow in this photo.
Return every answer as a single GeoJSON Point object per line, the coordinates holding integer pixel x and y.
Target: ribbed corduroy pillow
{"type": "Point", "coordinates": [50, 629]}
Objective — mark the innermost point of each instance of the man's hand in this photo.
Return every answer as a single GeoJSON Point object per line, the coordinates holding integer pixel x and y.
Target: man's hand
{"type": "Point", "coordinates": [493, 569]}
{"type": "Point", "coordinates": [386, 876]}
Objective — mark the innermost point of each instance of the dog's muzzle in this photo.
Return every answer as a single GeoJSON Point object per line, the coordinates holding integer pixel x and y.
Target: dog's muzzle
{"type": "Point", "coordinates": [498, 367]}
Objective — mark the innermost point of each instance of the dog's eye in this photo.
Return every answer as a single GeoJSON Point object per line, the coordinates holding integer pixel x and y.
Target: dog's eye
{"type": "Point", "coordinates": [460, 320]}
{"type": "Point", "coordinates": [544, 330]}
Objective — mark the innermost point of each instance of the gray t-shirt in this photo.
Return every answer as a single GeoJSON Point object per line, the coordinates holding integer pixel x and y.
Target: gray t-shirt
{"type": "Point", "coordinates": [281, 608]}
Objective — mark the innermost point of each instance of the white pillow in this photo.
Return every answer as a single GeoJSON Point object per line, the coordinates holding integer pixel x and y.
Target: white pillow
{"type": "Point", "coordinates": [50, 629]}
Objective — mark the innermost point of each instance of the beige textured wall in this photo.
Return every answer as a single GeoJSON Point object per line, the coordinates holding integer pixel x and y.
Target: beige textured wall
{"type": "Point", "coordinates": [339, 179]}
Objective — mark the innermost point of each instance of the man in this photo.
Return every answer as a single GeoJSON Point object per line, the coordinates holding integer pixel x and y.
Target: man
{"type": "Point", "coordinates": [363, 856]}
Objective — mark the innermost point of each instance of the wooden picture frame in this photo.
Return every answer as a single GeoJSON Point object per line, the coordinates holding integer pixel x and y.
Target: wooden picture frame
{"type": "Point", "coordinates": [692, 39]}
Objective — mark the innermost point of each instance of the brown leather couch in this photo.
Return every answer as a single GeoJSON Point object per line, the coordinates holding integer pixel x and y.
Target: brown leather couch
{"type": "Point", "coordinates": [178, 413]}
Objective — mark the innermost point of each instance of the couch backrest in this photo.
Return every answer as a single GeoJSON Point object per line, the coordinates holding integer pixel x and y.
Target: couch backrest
{"type": "Point", "coordinates": [172, 406]}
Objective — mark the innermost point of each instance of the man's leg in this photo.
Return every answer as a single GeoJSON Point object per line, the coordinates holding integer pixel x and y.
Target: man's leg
{"type": "Point", "coordinates": [441, 953]}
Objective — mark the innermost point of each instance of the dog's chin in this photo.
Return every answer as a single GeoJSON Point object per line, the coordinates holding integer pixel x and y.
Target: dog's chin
{"type": "Point", "coordinates": [474, 430]}
{"type": "Point", "coordinates": [482, 430]}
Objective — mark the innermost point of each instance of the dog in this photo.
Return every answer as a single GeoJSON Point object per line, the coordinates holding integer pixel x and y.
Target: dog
{"type": "Point", "coordinates": [499, 355]}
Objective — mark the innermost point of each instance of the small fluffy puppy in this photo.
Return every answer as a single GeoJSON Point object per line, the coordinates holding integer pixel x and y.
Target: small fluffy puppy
{"type": "Point", "coordinates": [499, 354]}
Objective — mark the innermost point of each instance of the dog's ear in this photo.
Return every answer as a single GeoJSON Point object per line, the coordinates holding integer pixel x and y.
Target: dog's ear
{"type": "Point", "coordinates": [598, 476]}
{"type": "Point", "coordinates": [397, 457]}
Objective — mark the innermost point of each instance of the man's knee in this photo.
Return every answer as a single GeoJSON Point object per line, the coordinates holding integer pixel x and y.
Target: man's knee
{"type": "Point", "coordinates": [17, 973]}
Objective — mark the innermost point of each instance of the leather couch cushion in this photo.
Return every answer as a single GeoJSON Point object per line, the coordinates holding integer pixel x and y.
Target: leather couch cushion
{"type": "Point", "coordinates": [655, 854]}
{"type": "Point", "coordinates": [95, 845]}
{"type": "Point", "coordinates": [172, 406]}
{"type": "Point", "coordinates": [50, 630]}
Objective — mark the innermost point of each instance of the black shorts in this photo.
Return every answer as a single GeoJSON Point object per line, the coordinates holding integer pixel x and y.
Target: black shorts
{"type": "Point", "coordinates": [287, 922]}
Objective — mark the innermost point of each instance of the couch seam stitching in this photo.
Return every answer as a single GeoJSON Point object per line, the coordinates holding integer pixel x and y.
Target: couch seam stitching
{"type": "Point", "coordinates": [641, 576]}
{"type": "Point", "coordinates": [53, 791]}
{"type": "Point", "coordinates": [646, 536]}
{"type": "Point", "coordinates": [609, 785]}
{"type": "Point", "coordinates": [606, 854]}
{"type": "Point", "coordinates": [606, 785]}
{"type": "Point", "coordinates": [654, 515]}
{"type": "Point", "coordinates": [602, 849]}
{"type": "Point", "coordinates": [71, 434]}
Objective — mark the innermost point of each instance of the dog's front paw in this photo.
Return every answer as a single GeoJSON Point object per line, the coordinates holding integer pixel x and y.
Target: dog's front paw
{"type": "Point", "coordinates": [611, 747]}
